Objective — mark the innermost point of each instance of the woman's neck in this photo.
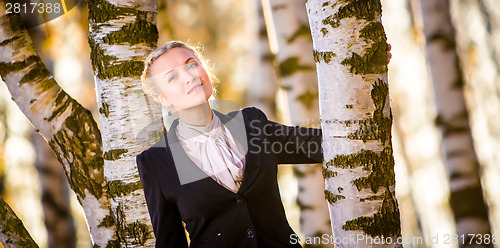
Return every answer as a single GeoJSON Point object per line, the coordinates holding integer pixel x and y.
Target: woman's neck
{"type": "Point", "coordinates": [201, 115]}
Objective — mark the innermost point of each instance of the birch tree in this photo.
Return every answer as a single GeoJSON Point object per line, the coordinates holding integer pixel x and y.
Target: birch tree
{"type": "Point", "coordinates": [69, 129]}
{"type": "Point", "coordinates": [422, 184]}
{"type": "Point", "coordinates": [121, 34]}
{"type": "Point", "coordinates": [466, 196]}
{"type": "Point", "coordinates": [293, 44]}
{"type": "Point", "coordinates": [350, 53]}
{"type": "Point", "coordinates": [477, 26]}
{"type": "Point", "coordinates": [261, 90]}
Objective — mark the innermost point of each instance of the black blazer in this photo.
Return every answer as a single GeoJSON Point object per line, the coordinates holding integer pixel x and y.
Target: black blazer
{"type": "Point", "coordinates": [215, 216]}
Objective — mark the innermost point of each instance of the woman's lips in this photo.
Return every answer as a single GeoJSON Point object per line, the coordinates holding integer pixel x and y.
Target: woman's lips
{"type": "Point", "coordinates": [196, 88]}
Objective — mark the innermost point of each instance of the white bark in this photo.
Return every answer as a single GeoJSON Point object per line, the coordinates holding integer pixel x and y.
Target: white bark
{"type": "Point", "coordinates": [457, 145]}
{"type": "Point", "coordinates": [299, 84]}
{"type": "Point", "coordinates": [422, 186]}
{"type": "Point", "coordinates": [355, 118]}
{"type": "Point", "coordinates": [477, 30]}
{"type": "Point", "coordinates": [262, 87]}
{"type": "Point", "coordinates": [130, 121]}
{"type": "Point", "coordinates": [59, 119]}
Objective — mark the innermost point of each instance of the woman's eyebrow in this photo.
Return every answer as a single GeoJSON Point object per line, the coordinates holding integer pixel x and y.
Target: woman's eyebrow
{"type": "Point", "coordinates": [185, 62]}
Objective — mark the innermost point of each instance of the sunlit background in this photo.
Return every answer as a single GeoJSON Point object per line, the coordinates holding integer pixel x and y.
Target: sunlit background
{"type": "Point", "coordinates": [229, 31]}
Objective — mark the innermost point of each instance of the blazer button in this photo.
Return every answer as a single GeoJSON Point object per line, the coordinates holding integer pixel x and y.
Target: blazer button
{"type": "Point", "coordinates": [240, 201]}
{"type": "Point", "coordinates": [250, 233]}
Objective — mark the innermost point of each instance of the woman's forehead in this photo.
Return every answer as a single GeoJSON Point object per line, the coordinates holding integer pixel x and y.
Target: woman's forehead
{"type": "Point", "coordinates": [175, 57]}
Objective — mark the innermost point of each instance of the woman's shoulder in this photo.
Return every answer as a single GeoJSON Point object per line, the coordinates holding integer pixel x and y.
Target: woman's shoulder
{"type": "Point", "coordinates": [158, 149]}
{"type": "Point", "coordinates": [253, 113]}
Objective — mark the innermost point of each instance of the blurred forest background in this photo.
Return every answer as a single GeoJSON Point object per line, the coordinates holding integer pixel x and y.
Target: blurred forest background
{"type": "Point", "coordinates": [246, 59]}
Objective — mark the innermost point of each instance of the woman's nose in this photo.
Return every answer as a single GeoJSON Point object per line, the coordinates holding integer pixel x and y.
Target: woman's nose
{"type": "Point", "coordinates": [187, 76]}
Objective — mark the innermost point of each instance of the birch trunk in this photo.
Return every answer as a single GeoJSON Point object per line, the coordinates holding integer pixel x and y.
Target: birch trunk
{"type": "Point", "coordinates": [68, 128]}
{"type": "Point", "coordinates": [420, 172]}
{"type": "Point", "coordinates": [466, 199]}
{"type": "Point", "coordinates": [122, 33]}
{"type": "Point", "coordinates": [350, 54]}
{"type": "Point", "coordinates": [262, 86]}
{"type": "Point", "coordinates": [478, 29]}
{"type": "Point", "coordinates": [12, 231]}
{"type": "Point", "coordinates": [288, 20]}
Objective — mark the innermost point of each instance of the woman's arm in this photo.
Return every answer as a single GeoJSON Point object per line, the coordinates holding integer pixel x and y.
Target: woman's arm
{"type": "Point", "coordinates": [165, 217]}
{"type": "Point", "coordinates": [292, 145]}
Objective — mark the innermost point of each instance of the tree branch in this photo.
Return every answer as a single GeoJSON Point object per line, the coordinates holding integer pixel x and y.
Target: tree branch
{"type": "Point", "coordinates": [12, 231]}
{"type": "Point", "coordinates": [69, 128]}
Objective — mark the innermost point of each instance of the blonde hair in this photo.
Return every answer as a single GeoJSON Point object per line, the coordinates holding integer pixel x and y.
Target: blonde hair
{"type": "Point", "coordinates": [148, 85]}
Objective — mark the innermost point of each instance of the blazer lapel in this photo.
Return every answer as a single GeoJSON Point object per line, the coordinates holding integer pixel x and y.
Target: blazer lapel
{"type": "Point", "coordinates": [191, 175]}
{"type": "Point", "coordinates": [244, 137]}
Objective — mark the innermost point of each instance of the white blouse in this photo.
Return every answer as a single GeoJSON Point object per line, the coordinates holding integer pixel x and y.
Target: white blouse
{"type": "Point", "coordinates": [215, 151]}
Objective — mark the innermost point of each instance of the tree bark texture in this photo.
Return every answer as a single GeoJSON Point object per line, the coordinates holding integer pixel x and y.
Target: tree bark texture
{"type": "Point", "coordinates": [350, 53]}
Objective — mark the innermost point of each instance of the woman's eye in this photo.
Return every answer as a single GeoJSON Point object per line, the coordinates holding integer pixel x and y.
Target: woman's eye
{"type": "Point", "coordinates": [192, 65]}
{"type": "Point", "coordinates": [172, 78]}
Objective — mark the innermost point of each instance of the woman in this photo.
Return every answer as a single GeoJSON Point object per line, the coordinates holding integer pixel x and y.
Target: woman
{"type": "Point", "coordinates": [215, 172]}
{"type": "Point", "coordinates": [231, 198]}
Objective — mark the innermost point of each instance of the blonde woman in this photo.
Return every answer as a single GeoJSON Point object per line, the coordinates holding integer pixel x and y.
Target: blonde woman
{"type": "Point", "coordinates": [217, 173]}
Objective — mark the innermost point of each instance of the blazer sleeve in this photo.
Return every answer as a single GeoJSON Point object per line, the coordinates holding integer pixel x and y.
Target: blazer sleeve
{"type": "Point", "coordinates": [165, 217]}
{"type": "Point", "coordinates": [297, 145]}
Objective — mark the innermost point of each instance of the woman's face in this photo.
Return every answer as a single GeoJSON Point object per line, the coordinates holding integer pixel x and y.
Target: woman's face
{"type": "Point", "coordinates": [180, 79]}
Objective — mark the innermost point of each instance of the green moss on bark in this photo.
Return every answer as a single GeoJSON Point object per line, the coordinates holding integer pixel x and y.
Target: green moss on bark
{"type": "Point", "coordinates": [85, 173]}
{"type": "Point", "coordinates": [12, 226]}
{"type": "Point", "coordinates": [38, 73]}
{"type": "Point", "coordinates": [114, 154]}
{"type": "Point", "coordinates": [380, 165]}
{"type": "Point", "coordinates": [373, 61]}
{"type": "Point", "coordinates": [377, 127]}
{"type": "Point", "coordinates": [324, 31]}
{"type": "Point", "coordinates": [323, 56]}
{"type": "Point", "coordinates": [139, 31]}
{"type": "Point", "coordinates": [386, 222]}
{"type": "Point", "coordinates": [136, 232]}
{"type": "Point", "coordinates": [332, 198]}
{"type": "Point", "coordinates": [101, 11]}
{"type": "Point", "coordinates": [104, 109]}
{"type": "Point", "coordinates": [119, 188]}
{"type": "Point", "coordinates": [62, 103]}
{"type": "Point", "coordinates": [106, 66]}
{"type": "Point", "coordinates": [360, 9]}
{"type": "Point", "coordinates": [328, 173]}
